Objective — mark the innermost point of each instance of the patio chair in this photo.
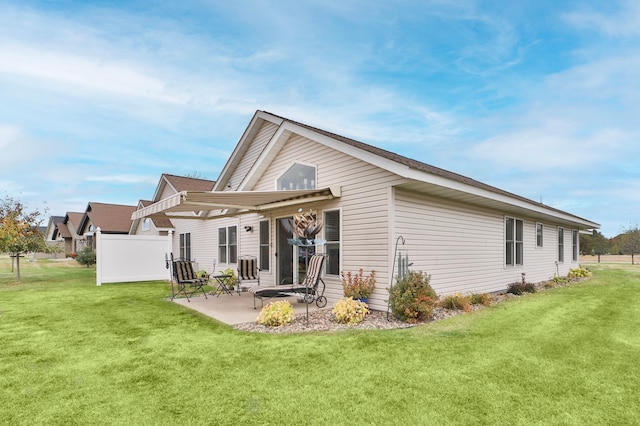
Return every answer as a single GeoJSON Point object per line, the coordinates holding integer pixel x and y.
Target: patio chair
{"type": "Point", "coordinates": [248, 270]}
{"type": "Point", "coordinates": [187, 281]}
{"type": "Point", "coordinates": [311, 289]}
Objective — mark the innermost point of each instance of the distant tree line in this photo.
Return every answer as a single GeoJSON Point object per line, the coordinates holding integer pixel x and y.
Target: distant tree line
{"type": "Point", "coordinates": [626, 243]}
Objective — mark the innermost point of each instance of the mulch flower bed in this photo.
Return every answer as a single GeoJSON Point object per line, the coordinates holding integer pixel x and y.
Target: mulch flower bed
{"type": "Point", "coordinates": [322, 320]}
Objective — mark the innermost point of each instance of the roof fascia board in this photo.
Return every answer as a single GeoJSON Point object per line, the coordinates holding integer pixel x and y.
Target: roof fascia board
{"type": "Point", "coordinates": [247, 136]}
{"type": "Point", "coordinates": [483, 193]}
{"type": "Point", "coordinates": [85, 218]}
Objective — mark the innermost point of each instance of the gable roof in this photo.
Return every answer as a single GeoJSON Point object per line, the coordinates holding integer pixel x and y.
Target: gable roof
{"type": "Point", "coordinates": [63, 230]}
{"type": "Point", "coordinates": [50, 230]}
{"type": "Point", "coordinates": [160, 221]}
{"type": "Point", "coordinates": [56, 219]}
{"type": "Point", "coordinates": [422, 177]}
{"type": "Point", "coordinates": [75, 218]}
{"type": "Point", "coordinates": [182, 183]}
{"type": "Point", "coordinates": [419, 177]}
{"type": "Point", "coordinates": [110, 218]}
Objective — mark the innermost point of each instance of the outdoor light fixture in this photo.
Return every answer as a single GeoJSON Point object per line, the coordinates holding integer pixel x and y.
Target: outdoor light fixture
{"type": "Point", "coordinates": [248, 228]}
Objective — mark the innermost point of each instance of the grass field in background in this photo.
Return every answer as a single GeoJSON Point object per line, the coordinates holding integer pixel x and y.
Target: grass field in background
{"type": "Point", "coordinates": [75, 353]}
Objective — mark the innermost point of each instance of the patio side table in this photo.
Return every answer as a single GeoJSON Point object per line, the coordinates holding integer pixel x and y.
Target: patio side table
{"type": "Point", "coordinates": [220, 283]}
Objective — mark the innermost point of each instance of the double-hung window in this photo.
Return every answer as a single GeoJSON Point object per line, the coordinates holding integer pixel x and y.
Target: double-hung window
{"type": "Point", "coordinates": [185, 246]}
{"type": "Point", "coordinates": [539, 235]}
{"type": "Point", "coordinates": [574, 245]}
{"type": "Point", "coordinates": [560, 245]}
{"type": "Point", "coordinates": [514, 247]}
{"type": "Point", "coordinates": [228, 244]}
{"type": "Point", "coordinates": [332, 235]}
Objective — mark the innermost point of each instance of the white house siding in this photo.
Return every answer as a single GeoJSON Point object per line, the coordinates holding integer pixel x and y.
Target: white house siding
{"type": "Point", "coordinates": [167, 191]}
{"type": "Point", "coordinates": [267, 130]}
{"type": "Point", "coordinates": [463, 248]}
{"type": "Point", "coordinates": [364, 206]}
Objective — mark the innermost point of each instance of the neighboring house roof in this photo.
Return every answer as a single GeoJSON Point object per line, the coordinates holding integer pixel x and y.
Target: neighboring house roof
{"type": "Point", "coordinates": [51, 229]}
{"type": "Point", "coordinates": [110, 218]}
{"type": "Point", "coordinates": [182, 183]}
{"type": "Point", "coordinates": [56, 219]}
{"type": "Point", "coordinates": [75, 218]}
{"type": "Point", "coordinates": [160, 223]}
{"type": "Point", "coordinates": [176, 184]}
{"type": "Point", "coordinates": [63, 230]}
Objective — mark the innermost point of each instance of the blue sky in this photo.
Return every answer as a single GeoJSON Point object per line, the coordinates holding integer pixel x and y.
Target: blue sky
{"type": "Point", "coordinates": [539, 98]}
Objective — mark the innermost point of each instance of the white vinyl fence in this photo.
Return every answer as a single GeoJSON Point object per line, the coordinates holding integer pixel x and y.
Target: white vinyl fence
{"type": "Point", "coordinates": [127, 258]}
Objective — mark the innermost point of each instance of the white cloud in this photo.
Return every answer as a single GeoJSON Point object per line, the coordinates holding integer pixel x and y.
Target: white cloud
{"type": "Point", "coordinates": [622, 23]}
{"type": "Point", "coordinates": [550, 143]}
{"type": "Point", "coordinates": [84, 72]}
{"type": "Point", "coordinates": [121, 179]}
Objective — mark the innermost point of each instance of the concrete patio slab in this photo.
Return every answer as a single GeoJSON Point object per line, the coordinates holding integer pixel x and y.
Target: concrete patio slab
{"type": "Point", "coordinates": [235, 309]}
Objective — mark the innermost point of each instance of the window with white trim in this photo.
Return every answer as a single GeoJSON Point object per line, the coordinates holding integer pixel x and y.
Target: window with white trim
{"type": "Point", "coordinates": [539, 235]}
{"type": "Point", "coordinates": [185, 246]}
{"type": "Point", "coordinates": [514, 247]}
{"type": "Point", "coordinates": [332, 246]}
{"type": "Point", "coordinates": [228, 244]}
{"type": "Point", "coordinates": [146, 224]}
{"type": "Point", "coordinates": [298, 176]}
{"type": "Point", "coordinates": [560, 245]}
{"type": "Point", "coordinates": [574, 245]}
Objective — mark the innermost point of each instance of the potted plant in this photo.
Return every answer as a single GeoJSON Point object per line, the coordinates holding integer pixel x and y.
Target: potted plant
{"type": "Point", "coordinates": [358, 286]}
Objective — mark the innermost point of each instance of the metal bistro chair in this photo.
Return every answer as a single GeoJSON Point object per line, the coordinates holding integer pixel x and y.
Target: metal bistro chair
{"type": "Point", "coordinates": [187, 281]}
{"type": "Point", "coordinates": [248, 270]}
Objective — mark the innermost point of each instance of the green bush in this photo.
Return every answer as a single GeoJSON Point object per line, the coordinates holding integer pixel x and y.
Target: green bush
{"type": "Point", "coordinates": [349, 311]}
{"type": "Point", "coordinates": [357, 285]}
{"type": "Point", "coordinates": [412, 298]}
{"type": "Point", "coordinates": [518, 288]}
{"type": "Point", "coordinates": [456, 302]}
{"type": "Point", "coordinates": [579, 273]}
{"type": "Point", "coordinates": [86, 257]}
{"type": "Point", "coordinates": [481, 299]}
{"type": "Point", "coordinates": [277, 314]}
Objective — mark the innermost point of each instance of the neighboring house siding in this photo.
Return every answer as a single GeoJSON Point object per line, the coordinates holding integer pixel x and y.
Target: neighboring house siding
{"type": "Point", "coordinates": [463, 247]}
{"type": "Point", "coordinates": [167, 191]}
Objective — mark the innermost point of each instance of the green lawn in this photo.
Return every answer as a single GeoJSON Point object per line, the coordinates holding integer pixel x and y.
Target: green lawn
{"type": "Point", "coordinates": [73, 353]}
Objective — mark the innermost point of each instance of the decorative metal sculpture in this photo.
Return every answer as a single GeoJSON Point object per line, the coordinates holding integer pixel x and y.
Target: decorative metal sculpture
{"type": "Point", "coordinates": [304, 227]}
